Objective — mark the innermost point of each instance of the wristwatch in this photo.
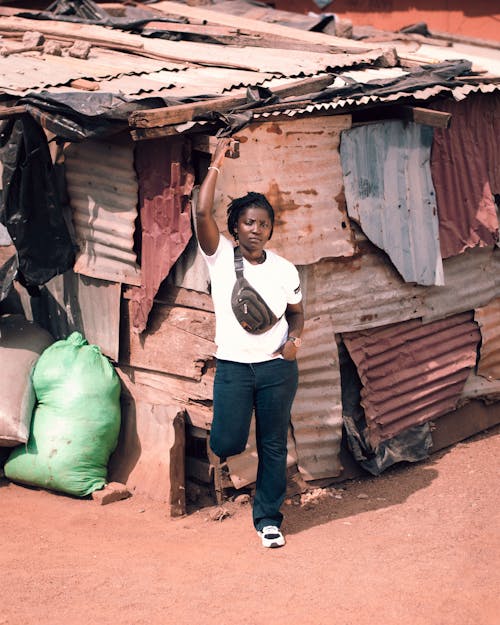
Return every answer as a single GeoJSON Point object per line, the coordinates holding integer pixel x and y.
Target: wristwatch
{"type": "Point", "coordinates": [295, 340]}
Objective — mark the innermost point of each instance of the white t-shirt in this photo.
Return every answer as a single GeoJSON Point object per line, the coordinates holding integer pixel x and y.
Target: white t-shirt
{"type": "Point", "coordinates": [276, 280]}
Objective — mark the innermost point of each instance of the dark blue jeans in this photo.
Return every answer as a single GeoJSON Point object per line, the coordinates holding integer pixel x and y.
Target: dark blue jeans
{"type": "Point", "coordinates": [269, 388]}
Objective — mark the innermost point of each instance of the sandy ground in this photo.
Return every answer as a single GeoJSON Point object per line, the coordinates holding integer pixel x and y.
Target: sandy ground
{"type": "Point", "coordinates": [417, 546]}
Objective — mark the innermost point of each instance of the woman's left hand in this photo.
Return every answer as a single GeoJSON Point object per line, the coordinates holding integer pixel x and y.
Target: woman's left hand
{"type": "Point", "coordinates": [288, 350]}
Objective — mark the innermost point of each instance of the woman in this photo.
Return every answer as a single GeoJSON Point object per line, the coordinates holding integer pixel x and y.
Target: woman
{"type": "Point", "coordinates": [254, 371]}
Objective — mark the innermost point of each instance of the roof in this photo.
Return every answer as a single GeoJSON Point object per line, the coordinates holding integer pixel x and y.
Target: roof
{"type": "Point", "coordinates": [178, 54]}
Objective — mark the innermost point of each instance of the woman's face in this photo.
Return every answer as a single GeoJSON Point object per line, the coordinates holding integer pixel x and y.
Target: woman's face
{"type": "Point", "coordinates": [254, 228]}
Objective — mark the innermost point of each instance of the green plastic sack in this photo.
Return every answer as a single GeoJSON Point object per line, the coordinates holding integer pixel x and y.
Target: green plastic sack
{"type": "Point", "coordinates": [76, 421]}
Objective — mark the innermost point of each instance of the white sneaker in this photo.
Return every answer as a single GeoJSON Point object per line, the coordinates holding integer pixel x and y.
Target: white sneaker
{"type": "Point", "coordinates": [271, 536]}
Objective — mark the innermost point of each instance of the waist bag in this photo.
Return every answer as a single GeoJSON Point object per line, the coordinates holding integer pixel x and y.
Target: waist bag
{"type": "Point", "coordinates": [250, 309]}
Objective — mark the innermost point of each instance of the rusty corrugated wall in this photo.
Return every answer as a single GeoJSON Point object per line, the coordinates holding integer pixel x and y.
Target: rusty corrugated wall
{"type": "Point", "coordinates": [296, 164]}
{"type": "Point", "coordinates": [412, 373]}
{"type": "Point", "coordinates": [488, 318]}
{"type": "Point", "coordinates": [165, 184]}
{"type": "Point", "coordinates": [102, 187]}
{"type": "Point", "coordinates": [389, 192]}
{"type": "Point", "coordinates": [317, 409]}
{"type": "Point", "coordinates": [462, 160]}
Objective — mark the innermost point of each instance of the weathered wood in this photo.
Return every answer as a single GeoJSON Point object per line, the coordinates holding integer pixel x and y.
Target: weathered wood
{"type": "Point", "coordinates": [199, 416]}
{"type": "Point", "coordinates": [456, 426]}
{"type": "Point", "coordinates": [179, 296]}
{"type": "Point", "coordinates": [165, 116]}
{"type": "Point", "coordinates": [161, 388]}
{"type": "Point", "coordinates": [11, 111]}
{"type": "Point", "coordinates": [198, 469]}
{"type": "Point", "coordinates": [258, 26]}
{"type": "Point", "coordinates": [419, 115]}
{"type": "Point", "coordinates": [84, 84]}
{"type": "Point", "coordinates": [177, 341]}
{"type": "Point", "coordinates": [150, 454]}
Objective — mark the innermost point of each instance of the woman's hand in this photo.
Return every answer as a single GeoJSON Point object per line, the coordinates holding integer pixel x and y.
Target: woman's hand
{"type": "Point", "coordinates": [289, 351]}
{"type": "Point", "coordinates": [220, 152]}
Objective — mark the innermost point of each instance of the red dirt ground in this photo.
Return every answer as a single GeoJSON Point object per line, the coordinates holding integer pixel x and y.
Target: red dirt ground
{"type": "Point", "coordinates": [420, 547]}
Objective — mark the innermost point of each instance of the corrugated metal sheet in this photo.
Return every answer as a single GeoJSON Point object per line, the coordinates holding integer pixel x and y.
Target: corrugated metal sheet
{"type": "Point", "coordinates": [266, 60]}
{"type": "Point", "coordinates": [412, 373]}
{"type": "Point", "coordinates": [193, 81]}
{"type": "Point", "coordinates": [482, 58]}
{"type": "Point", "coordinates": [71, 302]}
{"type": "Point", "coordinates": [165, 184]}
{"type": "Point", "coordinates": [36, 73]}
{"type": "Point", "coordinates": [389, 192]}
{"type": "Point", "coordinates": [467, 212]}
{"type": "Point", "coordinates": [477, 387]}
{"type": "Point", "coordinates": [459, 93]}
{"type": "Point", "coordinates": [488, 318]}
{"type": "Point", "coordinates": [367, 292]}
{"type": "Point", "coordinates": [363, 292]}
{"type": "Point", "coordinates": [297, 166]}
{"type": "Point", "coordinates": [471, 280]}
{"type": "Point", "coordinates": [317, 409]}
{"type": "Point", "coordinates": [208, 16]}
{"type": "Point", "coordinates": [103, 191]}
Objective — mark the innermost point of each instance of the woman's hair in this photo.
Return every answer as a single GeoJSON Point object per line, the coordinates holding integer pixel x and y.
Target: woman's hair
{"type": "Point", "coordinates": [240, 204]}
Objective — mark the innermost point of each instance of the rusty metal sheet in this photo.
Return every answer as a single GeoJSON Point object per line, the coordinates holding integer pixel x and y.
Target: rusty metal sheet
{"type": "Point", "coordinates": [389, 192]}
{"type": "Point", "coordinates": [367, 292]}
{"type": "Point", "coordinates": [296, 164]}
{"type": "Point", "coordinates": [478, 387]}
{"type": "Point", "coordinates": [102, 188]}
{"type": "Point", "coordinates": [246, 23]}
{"type": "Point", "coordinates": [71, 302]}
{"type": "Point", "coordinates": [165, 184]}
{"type": "Point", "coordinates": [35, 72]}
{"type": "Point", "coordinates": [317, 409]}
{"type": "Point", "coordinates": [459, 164]}
{"type": "Point", "coordinates": [361, 292]}
{"type": "Point", "coordinates": [412, 373]}
{"type": "Point", "coordinates": [471, 280]}
{"type": "Point", "coordinates": [193, 81]}
{"type": "Point", "coordinates": [488, 318]}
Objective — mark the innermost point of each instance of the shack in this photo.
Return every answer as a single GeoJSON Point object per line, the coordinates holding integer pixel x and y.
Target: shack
{"type": "Point", "coordinates": [381, 162]}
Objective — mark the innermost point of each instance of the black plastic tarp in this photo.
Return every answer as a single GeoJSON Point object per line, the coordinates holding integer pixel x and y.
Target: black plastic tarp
{"type": "Point", "coordinates": [30, 207]}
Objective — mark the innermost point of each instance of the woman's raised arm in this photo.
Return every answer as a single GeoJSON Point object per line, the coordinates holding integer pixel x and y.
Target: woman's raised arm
{"type": "Point", "coordinates": [206, 226]}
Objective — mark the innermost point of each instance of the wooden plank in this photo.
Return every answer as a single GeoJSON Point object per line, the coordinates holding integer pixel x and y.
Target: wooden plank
{"type": "Point", "coordinates": [149, 457]}
{"type": "Point", "coordinates": [186, 112]}
{"type": "Point", "coordinates": [177, 341]}
{"type": "Point", "coordinates": [11, 111]}
{"type": "Point", "coordinates": [419, 115]}
{"type": "Point", "coordinates": [236, 21]}
{"type": "Point", "coordinates": [199, 416]}
{"type": "Point", "coordinates": [162, 388]}
{"type": "Point", "coordinates": [456, 426]}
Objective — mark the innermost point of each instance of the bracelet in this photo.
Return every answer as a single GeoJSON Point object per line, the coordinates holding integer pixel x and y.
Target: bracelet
{"type": "Point", "coordinates": [214, 167]}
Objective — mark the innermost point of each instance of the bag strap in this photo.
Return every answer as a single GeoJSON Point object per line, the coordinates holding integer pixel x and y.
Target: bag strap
{"type": "Point", "coordinates": [238, 262]}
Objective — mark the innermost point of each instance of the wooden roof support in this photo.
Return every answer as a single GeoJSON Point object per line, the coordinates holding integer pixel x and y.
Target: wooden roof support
{"type": "Point", "coordinates": [165, 116]}
{"type": "Point", "coordinates": [417, 114]}
{"type": "Point", "coordinates": [11, 111]}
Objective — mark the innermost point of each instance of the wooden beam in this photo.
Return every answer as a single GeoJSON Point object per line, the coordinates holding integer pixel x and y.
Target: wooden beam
{"type": "Point", "coordinates": [11, 111]}
{"type": "Point", "coordinates": [165, 116]}
{"type": "Point", "coordinates": [419, 115]}
{"type": "Point", "coordinates": [209, 16]}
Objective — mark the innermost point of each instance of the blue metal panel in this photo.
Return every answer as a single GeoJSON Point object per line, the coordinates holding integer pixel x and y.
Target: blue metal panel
{"type": "Point", "coordinates": [389, 192]}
